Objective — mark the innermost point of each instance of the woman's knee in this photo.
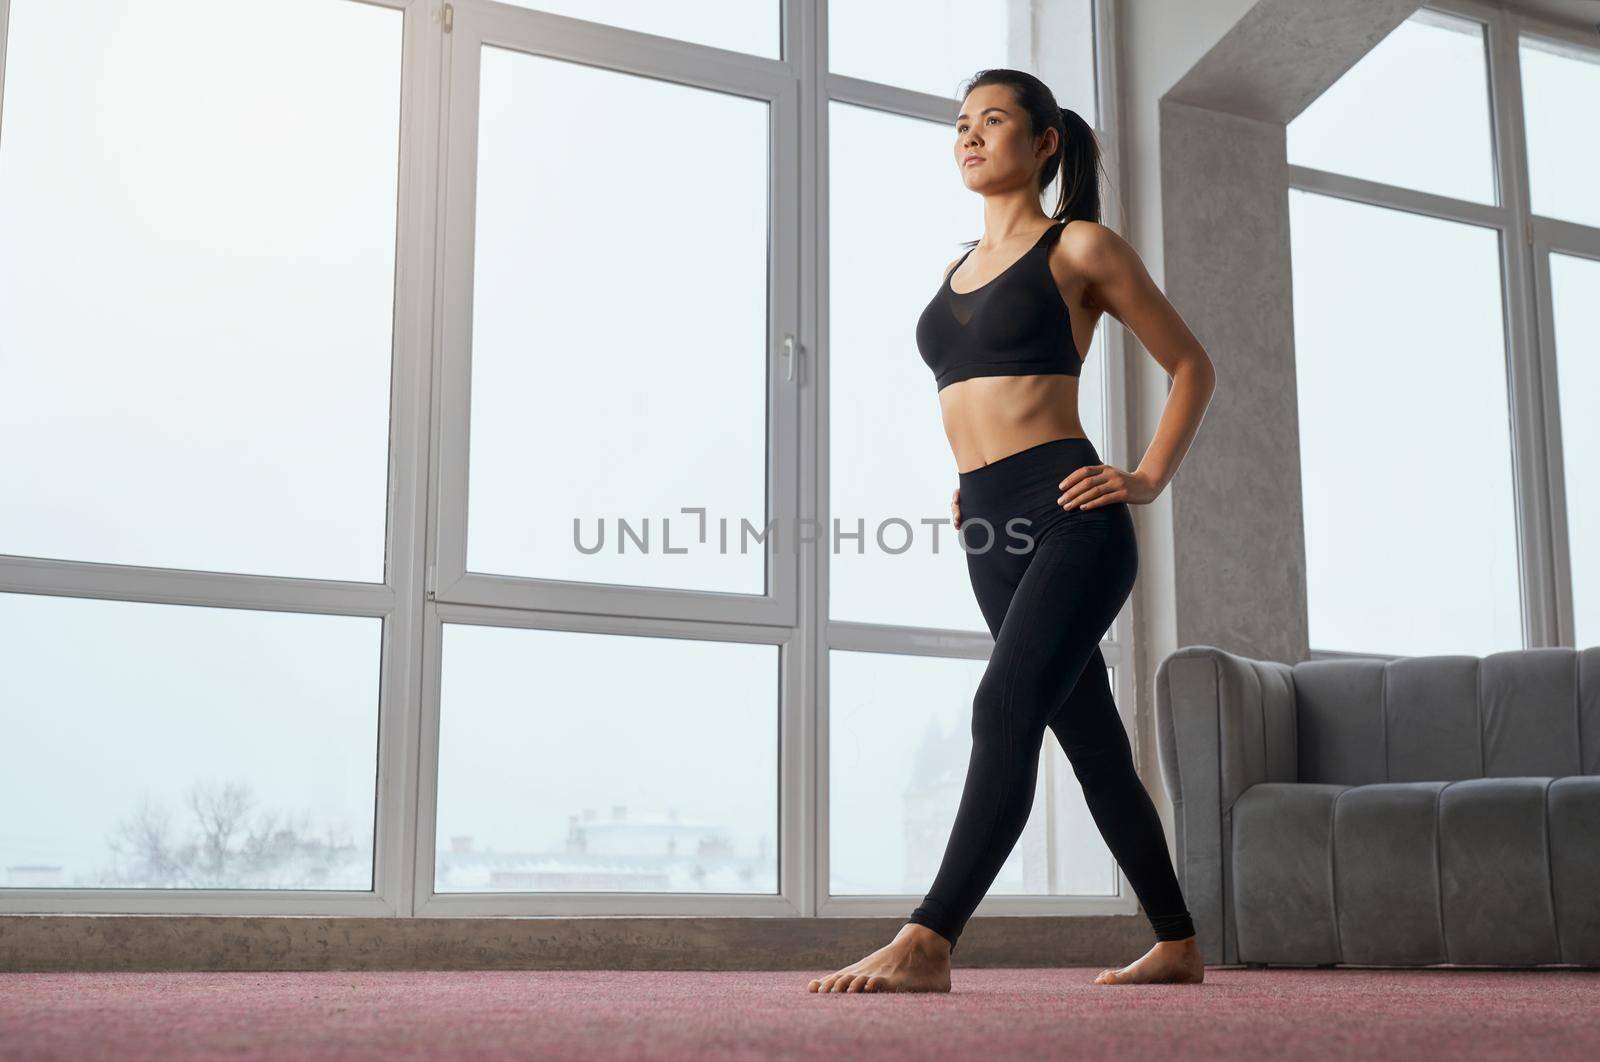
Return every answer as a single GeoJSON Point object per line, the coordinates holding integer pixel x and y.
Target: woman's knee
{"type": "Point", "coordinates": [1005, 707]}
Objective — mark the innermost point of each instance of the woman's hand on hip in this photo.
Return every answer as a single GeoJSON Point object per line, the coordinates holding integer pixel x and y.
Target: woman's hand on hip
{"type": "Point", "coordinates": [955, 508]}
{"type": "Point", "coordinates": [1092, 486]}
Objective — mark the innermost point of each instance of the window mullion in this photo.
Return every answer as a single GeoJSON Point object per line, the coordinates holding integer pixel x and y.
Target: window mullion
{"type": "Point", "coordinates": [1527, 360]}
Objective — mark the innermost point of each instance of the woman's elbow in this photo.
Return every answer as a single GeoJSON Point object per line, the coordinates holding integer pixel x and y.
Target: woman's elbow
{"type": "Point", "coordinates": [1198, 367]}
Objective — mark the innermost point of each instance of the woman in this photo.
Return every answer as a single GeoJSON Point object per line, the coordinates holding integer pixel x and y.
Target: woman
{"type": "Point", "coordinates": [1046, 526]}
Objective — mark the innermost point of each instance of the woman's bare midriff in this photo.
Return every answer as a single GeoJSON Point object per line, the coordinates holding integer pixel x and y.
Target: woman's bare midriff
{"type": "Point", "coordinates": [990, 417]}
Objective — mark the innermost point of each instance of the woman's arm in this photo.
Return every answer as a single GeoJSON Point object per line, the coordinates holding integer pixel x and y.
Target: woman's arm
{"type": "Point", "coordinates": [1118, 283]}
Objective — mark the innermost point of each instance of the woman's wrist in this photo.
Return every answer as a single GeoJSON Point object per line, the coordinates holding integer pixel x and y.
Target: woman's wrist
{"type": "Point", "coordinates": [1159, 483]}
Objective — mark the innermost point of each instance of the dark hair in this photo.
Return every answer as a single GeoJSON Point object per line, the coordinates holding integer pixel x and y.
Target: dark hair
{"type": "Point", "coordinates": [1077, 161]}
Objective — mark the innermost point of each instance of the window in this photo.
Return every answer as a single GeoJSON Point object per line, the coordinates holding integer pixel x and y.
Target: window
{"type": "Point", "coordinates": [197, 288]}
{"type": "Point", "coordinates": [906, 641]}
{"type": "Point", "coordinates": [900, 736]}
{"type": "Point", "coordinates": [200, 529]}
{"type": "Point", "coordinates": [1434, 289]}
{"type": "Point", "coordinates": [427, 471]}
{"type": "Point", "coordinates": [1557, 79]}
{"type": "Point", "coordinates": [1575, 295]}
{"type": "Point", "coordinates": [577, 762]}
{"type": "Point", "coordinates": [1405, 441]}
{"type": "Point", "coordinates": [1559, 74]}
{"type": "Point", "coordinates": [618, 357]}
{"type": "Point", "coordinates": [939, 46]}
{"type": "Point", "coordinates": [1414, 112]}
{"type": "Point", "coordinates": [155, 746]}
{"type": "Point", "coordinates": [891, 468]}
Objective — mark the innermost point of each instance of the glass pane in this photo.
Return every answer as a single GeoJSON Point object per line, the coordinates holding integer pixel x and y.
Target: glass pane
{"type": "Point", "coordinates": [619, 357]}
{"type": "Point", "coordinates": [738, 25]}
{"type": "Point", "coordinates": [1575, 291]}
{"type": "Point", "coordinates": [1405, 439]}
{"type": "Point", "coordinates": [197, 285]}
{"type": "Point", "coordinates": [572, 762]}
{"type": "Point", "coordinates": [1413, 112]}
{"type": "Point", "coordinates": [890, 465]}
{"type": "Point", "coordinates": [889, 459]}
{"type": "Point", "coordinates": [1560, 87]}
{"type": "Point", "coordinates": [179, 747]}
{"type": "Point", "coordinates": [900, 736]}
{"type": "Point", "coordinates": [1092, 397]}
{"type": "Point", "coordinates": [938, 46]}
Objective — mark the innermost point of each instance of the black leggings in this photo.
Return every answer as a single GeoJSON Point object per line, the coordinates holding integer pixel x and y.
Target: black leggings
{"type": "Point", "coordinates": [1049, 582]}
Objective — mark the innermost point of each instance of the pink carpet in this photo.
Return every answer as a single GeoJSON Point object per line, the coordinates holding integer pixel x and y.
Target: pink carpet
{"type": "Point", "coordinates": [991, 1014]}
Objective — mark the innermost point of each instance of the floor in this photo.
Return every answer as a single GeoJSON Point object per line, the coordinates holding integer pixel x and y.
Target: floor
{"type": "Point", "coordinates": [1460, 1013]}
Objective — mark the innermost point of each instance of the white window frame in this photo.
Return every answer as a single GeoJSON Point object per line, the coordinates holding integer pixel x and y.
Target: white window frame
{"type": "Point", "coordinates": [463, 596]}
{"type": "Point", "coordinates": [1526, 242]}
{"type": "Point", "coordinates": [426, 583]}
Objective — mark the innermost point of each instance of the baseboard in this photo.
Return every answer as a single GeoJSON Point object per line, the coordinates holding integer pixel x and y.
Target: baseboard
{"type": "Point", "coordinates": [63, 942]}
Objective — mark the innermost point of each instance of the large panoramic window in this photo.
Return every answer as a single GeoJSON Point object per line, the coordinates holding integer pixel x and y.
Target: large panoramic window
{"type": "Point", "coordinates": [1437, 297]}
{"type": "Point", "coordinates": [435, 487]}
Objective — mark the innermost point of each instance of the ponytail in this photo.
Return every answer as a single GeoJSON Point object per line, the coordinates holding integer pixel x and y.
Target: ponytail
{"type": "Point", "coordinates": [1077, 164]}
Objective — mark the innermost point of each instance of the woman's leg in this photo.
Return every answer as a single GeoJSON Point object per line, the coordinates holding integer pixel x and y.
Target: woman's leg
{"type": "Point", "coordinates": [1093, 737]}
{"type": "Point", "coordinates": [1078, 573]}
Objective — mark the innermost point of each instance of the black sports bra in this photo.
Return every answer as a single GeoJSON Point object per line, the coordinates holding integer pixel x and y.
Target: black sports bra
{"type": "Point", "coordinates": [1015, 325]}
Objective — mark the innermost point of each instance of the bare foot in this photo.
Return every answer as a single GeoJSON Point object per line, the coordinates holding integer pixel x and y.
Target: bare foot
{"type": "Point", "coordinates": [916, 960]}
{"type": "Point", "coordinates": [1169, 962]}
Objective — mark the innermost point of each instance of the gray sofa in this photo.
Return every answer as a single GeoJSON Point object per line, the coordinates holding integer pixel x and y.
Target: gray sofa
{"type": "Point", "coordinates": [1422, 810]}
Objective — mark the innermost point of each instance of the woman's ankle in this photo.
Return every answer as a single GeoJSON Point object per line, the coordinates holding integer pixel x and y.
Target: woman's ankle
{"type": "Point", "coordinates": [924, 939]}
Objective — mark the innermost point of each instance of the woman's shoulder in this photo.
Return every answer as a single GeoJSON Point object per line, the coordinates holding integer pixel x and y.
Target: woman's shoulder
{"type": "Point", "coordinates": [1084, 231]}
{"type": "Point", "coordinates": [1085, 243]}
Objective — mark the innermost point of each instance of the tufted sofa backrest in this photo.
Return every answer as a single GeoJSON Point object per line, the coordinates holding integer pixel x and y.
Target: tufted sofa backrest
{"type": "Point", "coordinates": [1447, 718]}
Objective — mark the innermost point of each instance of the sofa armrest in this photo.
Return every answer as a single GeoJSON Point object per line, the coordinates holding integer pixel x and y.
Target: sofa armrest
{"type": "Point", "coordinates": [1223, 723]}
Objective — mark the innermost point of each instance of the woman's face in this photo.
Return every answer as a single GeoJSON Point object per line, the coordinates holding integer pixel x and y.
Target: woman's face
{"type": "Point", "coordinates": [994, 149]}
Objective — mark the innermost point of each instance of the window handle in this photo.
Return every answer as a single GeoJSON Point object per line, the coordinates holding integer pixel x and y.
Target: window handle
{"type": "Point", "coordinates": [791, 351]}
